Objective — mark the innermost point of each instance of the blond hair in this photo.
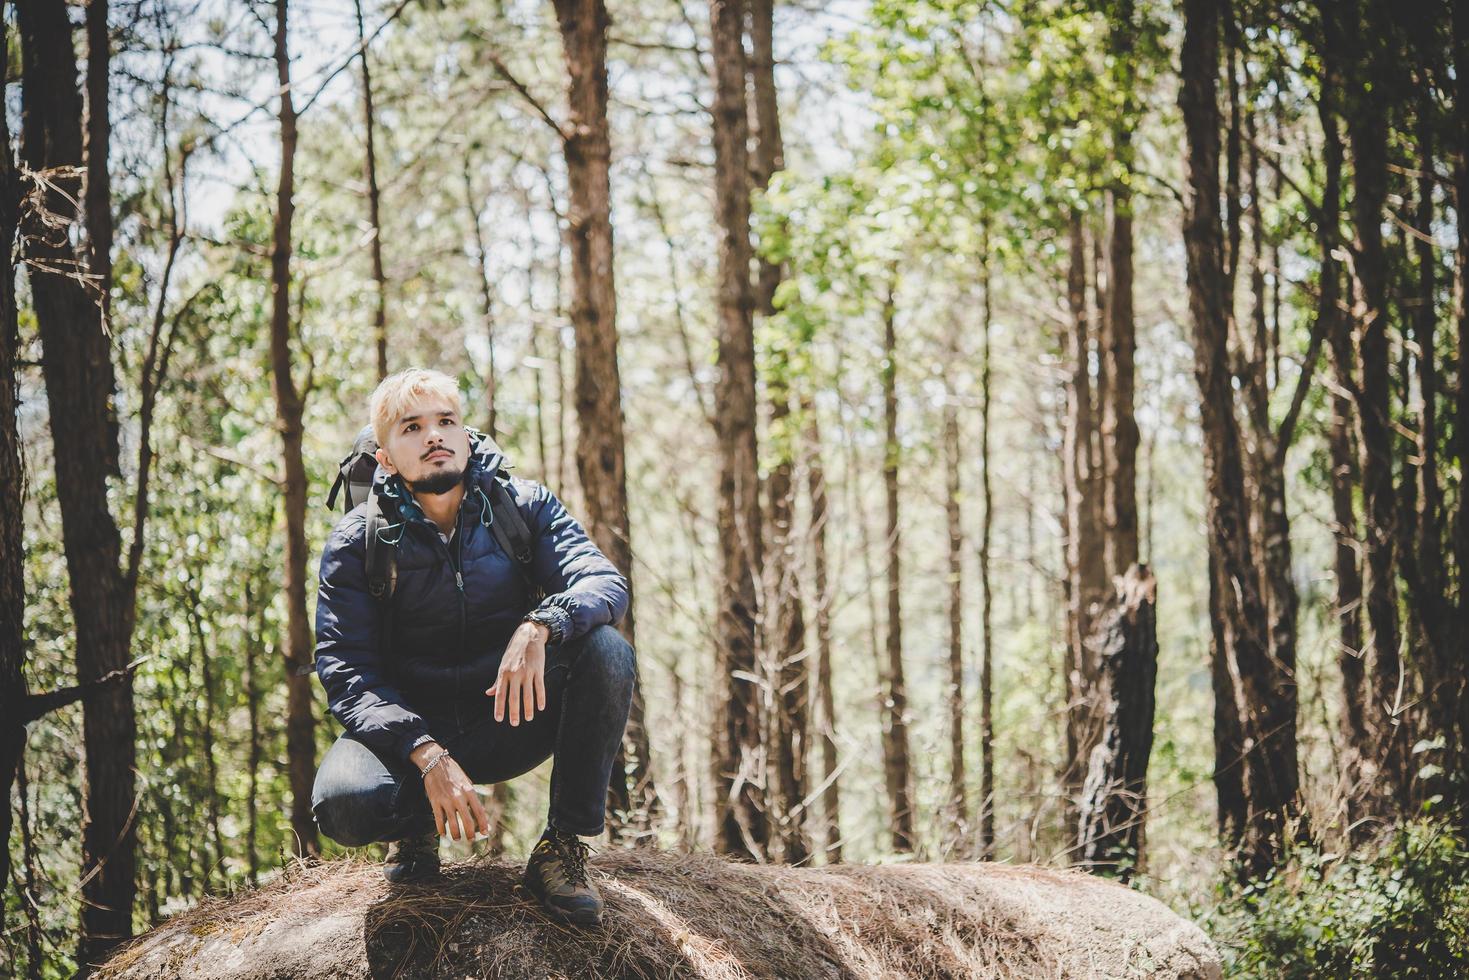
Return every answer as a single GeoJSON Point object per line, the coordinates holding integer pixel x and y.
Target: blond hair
{"type": "Point", "coordinates": [397, 392]}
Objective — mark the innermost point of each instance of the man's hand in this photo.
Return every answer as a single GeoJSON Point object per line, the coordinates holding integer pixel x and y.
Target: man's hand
{"type": "Point", "coordinates": [458, 812]}
{"type": "Point", "coordinates": [522, 678]}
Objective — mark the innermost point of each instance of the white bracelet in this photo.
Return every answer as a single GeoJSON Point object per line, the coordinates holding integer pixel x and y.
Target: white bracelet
{"type": "Point", "coordinates": [433, 762]}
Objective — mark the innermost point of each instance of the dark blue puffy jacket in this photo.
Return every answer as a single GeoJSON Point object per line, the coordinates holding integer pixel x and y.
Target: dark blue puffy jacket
{"type": "Point", "coordinates": [448, 637]}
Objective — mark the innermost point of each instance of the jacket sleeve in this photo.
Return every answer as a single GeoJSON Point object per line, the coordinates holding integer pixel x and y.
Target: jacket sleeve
{"type": "Point", "coordinates": [583, 588]}
{"type": "Point", "coordinates": [348, 660]}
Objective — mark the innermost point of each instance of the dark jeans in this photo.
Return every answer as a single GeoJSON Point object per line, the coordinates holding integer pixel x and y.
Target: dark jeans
{"type": "Point", "coordinates": [362, 796]}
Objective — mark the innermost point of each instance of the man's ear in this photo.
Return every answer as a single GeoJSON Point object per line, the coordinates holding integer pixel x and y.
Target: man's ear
{"type": "Point", "coordinates": [382, 460]}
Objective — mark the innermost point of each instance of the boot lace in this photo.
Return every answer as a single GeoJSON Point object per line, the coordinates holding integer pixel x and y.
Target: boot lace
{"type": "Point", "coordinates": [569, 858]}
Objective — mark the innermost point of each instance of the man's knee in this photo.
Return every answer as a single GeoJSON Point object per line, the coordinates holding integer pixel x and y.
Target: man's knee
{"type": "Point", "coordinates": [352, 818]}
{"type": "Point", "coordinates": [351, 810]}
{"type": "Point", "coordinates": [608, 652]}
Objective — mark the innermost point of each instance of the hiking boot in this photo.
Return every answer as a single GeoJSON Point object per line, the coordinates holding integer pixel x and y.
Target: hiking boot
{"type": "Point", "coordinates": [412, 859]}
{"type": "Point", "coordinates": [557, 875]}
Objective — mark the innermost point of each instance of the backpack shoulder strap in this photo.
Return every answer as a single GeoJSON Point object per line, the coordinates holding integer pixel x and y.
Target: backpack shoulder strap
{"type": "Point", "coordinates": [510, 529]}
{"type": "Point", "coordinates": [382, 556]}
{"type": "Point", "coordinates": [382, 578]}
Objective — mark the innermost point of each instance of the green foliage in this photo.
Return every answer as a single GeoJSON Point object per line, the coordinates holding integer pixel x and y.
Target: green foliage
{"type": "Point", "coordinates": [1398, 907]}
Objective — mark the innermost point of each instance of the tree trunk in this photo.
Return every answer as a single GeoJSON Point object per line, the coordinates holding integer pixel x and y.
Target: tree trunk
{"type": "Point", "coordinates": [1270, 781]}
{"type": "Point", "coordinates": [290, 406]}
{"type": "Point", "coordinates": [600, 448]}
{"type": "Point", "coordinates": [486, 294]}
{"type": "Point", "coordinates": [1348, 598]}
{"type": "Point", "coordinates": [1085, 563]}
{"type": "Point", "coordinates": [379, 278]}
{"type": "Point", "coordinates": [1266, 483]}
{"type": "Point", "coordinates": [1115, 802]}
{"type": "Point", "coordinates": [739, 757]}
{"type": "Point", "coordinates": [897, 759]}
{"type": "Point", "coordinates": [1423, 555]}
{"type": "Point", "coordinates": [825, 722]}
{"type": "Point", "coordinates": [958, 829]}
{"type": "Point", "coordinates": [77, 364]}
{"type": "Point", "coordinates": [12, 515]}
{"type": "Point", "coordinates": [1368, 130]}
{"type": "Point", "coordinates": [786, 640]}
{"type": "Point", "coordinates": [986, 619]}
{"type": "Point", "coordinates": [1119, 424]}
{"type": "Point", "coordinates": [1232, 811]}
{"type": "Point", "coordinates": [98, 190]}
{"type": "Point", "coordinates": [1461, 424]}
{"type": "Point", "coordinates": [254, 638]}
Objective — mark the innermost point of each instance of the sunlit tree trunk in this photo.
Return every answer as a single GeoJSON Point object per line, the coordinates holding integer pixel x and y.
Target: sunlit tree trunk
{"type": "Point", "coordinates": [98, 184]}
{"type": "Point", "coordinates": [77, 363]}
{"type": "Point", "coordinates": [1119, 431]}
{"type": "Point", "coordinates": [374, 197]}
{"type": "Point", "coordinates": [1348, 596]}
{"type": "Point", "coordinates": [958, 777]}
{"type": "Point", "coordinates": [1270, 781]}
{"type": "Point", "coordinates": [986, 608]}
{"type": "Point", "coordinates": [739, 757]}
{"type": "Point", "coordinates": [601, 457]}
{"type": "Point", "coordinates": [788, 666]}
{"type": "Point", "coordinates": [486, 293]}
{"type": "Point", "coordinates": [897, 758]}
{"type": "Point", "coordinates": [1367, 128]}
{"type": "Point", "coordinates": [825, 721]}
{"type": "Point", "coordinates": [290, 403]}
{"type": "Point", "coordinates": [12, 474]}
{"type": "Point", "coordinates": [1086, 568]}
{"type": "Point", "coordinates": [1115, 799]}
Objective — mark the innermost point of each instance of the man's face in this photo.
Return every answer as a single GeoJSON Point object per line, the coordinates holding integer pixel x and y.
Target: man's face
{"type": "Point", "coordinates": [427, 446]}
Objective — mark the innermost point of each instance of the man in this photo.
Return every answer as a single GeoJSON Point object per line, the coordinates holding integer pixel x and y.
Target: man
{"type": "Point", "coordinates": [478, 682]}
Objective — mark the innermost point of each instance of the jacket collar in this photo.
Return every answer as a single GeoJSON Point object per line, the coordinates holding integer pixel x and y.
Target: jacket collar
{"type": "Point", "coordinates": [486, 461]}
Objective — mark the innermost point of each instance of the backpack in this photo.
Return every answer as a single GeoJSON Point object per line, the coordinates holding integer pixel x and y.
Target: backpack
{"type": "Point", "coordinates": [355, 474]}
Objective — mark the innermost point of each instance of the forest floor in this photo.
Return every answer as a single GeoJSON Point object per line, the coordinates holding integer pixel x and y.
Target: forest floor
{"type": "Point", "coordinates": [680, 915]}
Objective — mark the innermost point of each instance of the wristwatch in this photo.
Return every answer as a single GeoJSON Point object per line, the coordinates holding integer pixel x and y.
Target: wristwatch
{"type": "Point", "coordinates": [543, 619]}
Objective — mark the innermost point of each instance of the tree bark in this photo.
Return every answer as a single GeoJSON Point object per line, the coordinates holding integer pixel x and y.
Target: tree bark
{"type": "Point", "coordinates": [77, 364]}
{"type": "Point", "coordinates": [487, 296]}
{"type": "Point", "coordinates": [1270, 780]}
{"type": "Point", "coordinates": [897, 759]}
{"type": "Point", "coordinates": [1119, 423]}
{"type": "Point", "coordinates": [290, 404]}
{"type": "Point", "coordinates": [98, 190]}
{"type": "Point", "coordinates": [986, 609]}
{"type": "Point", "coordinates": [1114, 803]}
{"type": "Point", "coordinates": [1085, 562]}
{"type": "Point", "coordinates": [601, 448]}
{"type": "Point", "coordinates": [254, 639]}
{"type": "Point", "coordinates": [12, 516]}
{"type": "Point", "coordinates": [1368, 131]}
{"type": "Point", "coordinates": [789, 665]}
{"type": "Point", "coordinates": [1422, 542]}
{"type": "Point", "coordinates": [1232, 809]}
{"type": "Point", "coordinates": [1348, 598]}
{"type": "Point", "coordinates": [958, 799]}
{"type": "Point", "coordinates": [825, 721]}
{"type": "Point", "coordinates": [1461, 424]}
{"type": "Point", "coordinates": [739, 756]}
{"type": "Point", "coordinates": [374, 197]}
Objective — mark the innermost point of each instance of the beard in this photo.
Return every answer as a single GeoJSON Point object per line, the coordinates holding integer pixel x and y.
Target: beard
{"type": "Point", "coordinates": [438, 483]}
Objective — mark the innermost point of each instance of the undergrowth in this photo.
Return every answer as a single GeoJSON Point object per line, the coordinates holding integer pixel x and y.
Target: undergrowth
{"type": "Point", "coordinates": [1395, 907]}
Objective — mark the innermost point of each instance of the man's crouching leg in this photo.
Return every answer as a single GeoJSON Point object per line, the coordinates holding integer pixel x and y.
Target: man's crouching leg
{"type": "Point", "coordinates": [360, 799]}
{"type": "Point", "coordinates": [599, 687]}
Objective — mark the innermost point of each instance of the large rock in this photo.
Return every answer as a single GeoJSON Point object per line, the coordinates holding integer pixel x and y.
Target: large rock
{"type": "Point", "coordinates": [674, 915]}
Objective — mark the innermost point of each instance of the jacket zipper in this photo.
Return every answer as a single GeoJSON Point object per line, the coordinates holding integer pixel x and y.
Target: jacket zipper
{"type": "Point", "coordinates": [458, 583]}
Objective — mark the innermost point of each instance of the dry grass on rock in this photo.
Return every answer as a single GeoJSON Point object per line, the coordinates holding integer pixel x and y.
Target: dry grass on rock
{"type": "Point", "coordinates": [677, 915]}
